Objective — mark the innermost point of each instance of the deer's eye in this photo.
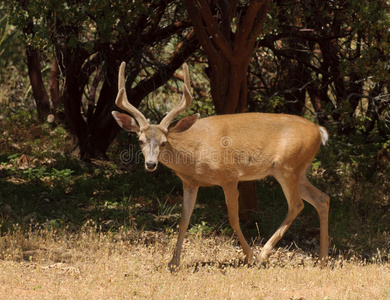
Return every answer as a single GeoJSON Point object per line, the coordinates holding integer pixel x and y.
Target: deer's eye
{"type": "Point", "coordinates": [163, 144]}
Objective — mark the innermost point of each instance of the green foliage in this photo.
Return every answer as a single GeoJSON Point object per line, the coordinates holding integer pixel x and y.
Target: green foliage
{"type": "Point", "coordinates": [329, 59]}
{"type": "Point", "coordinates": [164, 208]}
{"type": "Point", "coordinates": [91, 17]}
{"type": "Point", "coordinates": [11, 49]}
{"type": "Point", "coordinates": [201, 229]}
{"type": "Point", "coordinates": [13, 81]}
{"type": "Point", "coordinates": [43, 173]}
{"type": "Point", "coordinates": [4, 27]}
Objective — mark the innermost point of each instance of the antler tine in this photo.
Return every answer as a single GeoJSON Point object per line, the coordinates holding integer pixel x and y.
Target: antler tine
{"type": "Point", "coordinates": [122, 101]}
{"type": "Point", "coordinates": [184, 103]}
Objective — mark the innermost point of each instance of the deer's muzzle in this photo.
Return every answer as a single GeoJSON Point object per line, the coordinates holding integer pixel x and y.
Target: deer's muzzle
{"type": "Point", "coordinates": [151, 166]}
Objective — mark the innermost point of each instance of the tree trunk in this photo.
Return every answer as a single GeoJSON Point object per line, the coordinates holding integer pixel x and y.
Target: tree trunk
{"type": "Point", "coordinates": [34, 72]}
{"type": "Point", "coordinates": [102, 126]}
{"type": "Point", "coordinates": [229, 55]}
{"type": "Point", "coordinates": [71, 66]}
{"type": "Point", "coordinates": [38, 88]}
{"type": "Point", "coordinates": [55, 85]}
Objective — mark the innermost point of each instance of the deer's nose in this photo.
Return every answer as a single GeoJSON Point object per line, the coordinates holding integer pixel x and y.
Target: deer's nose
{"type": "Point", "coordinates": [151, 166]}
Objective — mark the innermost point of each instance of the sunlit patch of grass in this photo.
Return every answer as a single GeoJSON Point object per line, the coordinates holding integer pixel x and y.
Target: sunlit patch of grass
{"type": "Point", "coordinates": [93, 264]}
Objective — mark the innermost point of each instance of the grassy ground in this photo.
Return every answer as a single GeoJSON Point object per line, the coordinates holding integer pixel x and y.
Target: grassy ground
{"type": "Point", "coordinates": [90, 264]}
{"type": "Point", "coordinates": [106, 229]}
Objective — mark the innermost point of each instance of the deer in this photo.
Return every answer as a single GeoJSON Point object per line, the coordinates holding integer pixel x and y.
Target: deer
{"type": "Point", "coordinates": [223, 150]}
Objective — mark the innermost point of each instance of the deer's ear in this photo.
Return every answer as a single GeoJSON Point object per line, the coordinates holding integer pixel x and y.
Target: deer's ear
{"type": "Point", "coordinates": [183, 124]}
{"type": "Point", "coordinates": [126, 122]}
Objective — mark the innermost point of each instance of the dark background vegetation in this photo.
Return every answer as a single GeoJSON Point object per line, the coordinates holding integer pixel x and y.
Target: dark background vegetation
{"type": "Point", "coordinates": [64, 161]}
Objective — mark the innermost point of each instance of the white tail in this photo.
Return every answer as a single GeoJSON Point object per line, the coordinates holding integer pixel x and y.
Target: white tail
{"type": "Point", "coordinates": [223, 150]}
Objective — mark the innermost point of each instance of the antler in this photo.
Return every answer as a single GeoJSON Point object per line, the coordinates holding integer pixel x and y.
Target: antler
{"type": "Point", "coordinates": [184, 103]}
{"type": "Point", "coordinates": [122, 101]}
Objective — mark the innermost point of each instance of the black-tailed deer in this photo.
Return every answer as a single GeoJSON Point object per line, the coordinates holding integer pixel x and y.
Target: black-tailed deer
{"type": "Point", "coordinates": [225, 149]}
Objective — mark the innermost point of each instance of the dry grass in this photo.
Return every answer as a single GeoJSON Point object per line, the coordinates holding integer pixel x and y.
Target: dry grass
{"type": "Point", "coordinates": [46, 264]}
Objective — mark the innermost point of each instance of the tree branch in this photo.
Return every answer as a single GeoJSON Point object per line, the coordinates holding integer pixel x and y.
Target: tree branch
{"type": "Point", "coordinates": [202, 35]}
{"type": "Point", "coordinates": [246, 26]}
{"type": "Point", "coordinates": [182, 51]}
{"type": "Point", "coordinates": [213, 30]}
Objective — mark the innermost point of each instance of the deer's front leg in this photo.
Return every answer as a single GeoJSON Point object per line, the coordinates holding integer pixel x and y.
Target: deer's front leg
{"type": "Point", "coordinates": [189, 197]}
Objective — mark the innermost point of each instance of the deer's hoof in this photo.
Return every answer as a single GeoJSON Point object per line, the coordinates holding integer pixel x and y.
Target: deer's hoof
{"type": "Point", "coordinates": [173, 266]}
{"type": "Point", "coordinates": [249, 259]}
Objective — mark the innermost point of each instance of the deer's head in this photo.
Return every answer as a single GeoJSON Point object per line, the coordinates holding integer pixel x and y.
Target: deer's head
{"type": "Point", "coordinates": [152, 138]}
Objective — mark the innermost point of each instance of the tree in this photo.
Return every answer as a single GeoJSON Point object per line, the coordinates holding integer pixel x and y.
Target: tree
{"type": "Point", "coordinates": [228, 37]}
{"type": "Point", "coordinates": [34, 69]}
{"type": "Point", "coordinates": [11, 64]}
{"type": "Point", "coordinates": [228, 33]}
{"type": "Point", "coordinates": [89, 40]}
{"type": "Point", "coordinates": [334, 52]}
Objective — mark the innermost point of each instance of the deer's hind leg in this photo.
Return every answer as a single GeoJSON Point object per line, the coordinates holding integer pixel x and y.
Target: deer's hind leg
{"type": "Point", "coordinates": [295, 205]}
{"type": "Point", "coordinates": [320, 201]}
